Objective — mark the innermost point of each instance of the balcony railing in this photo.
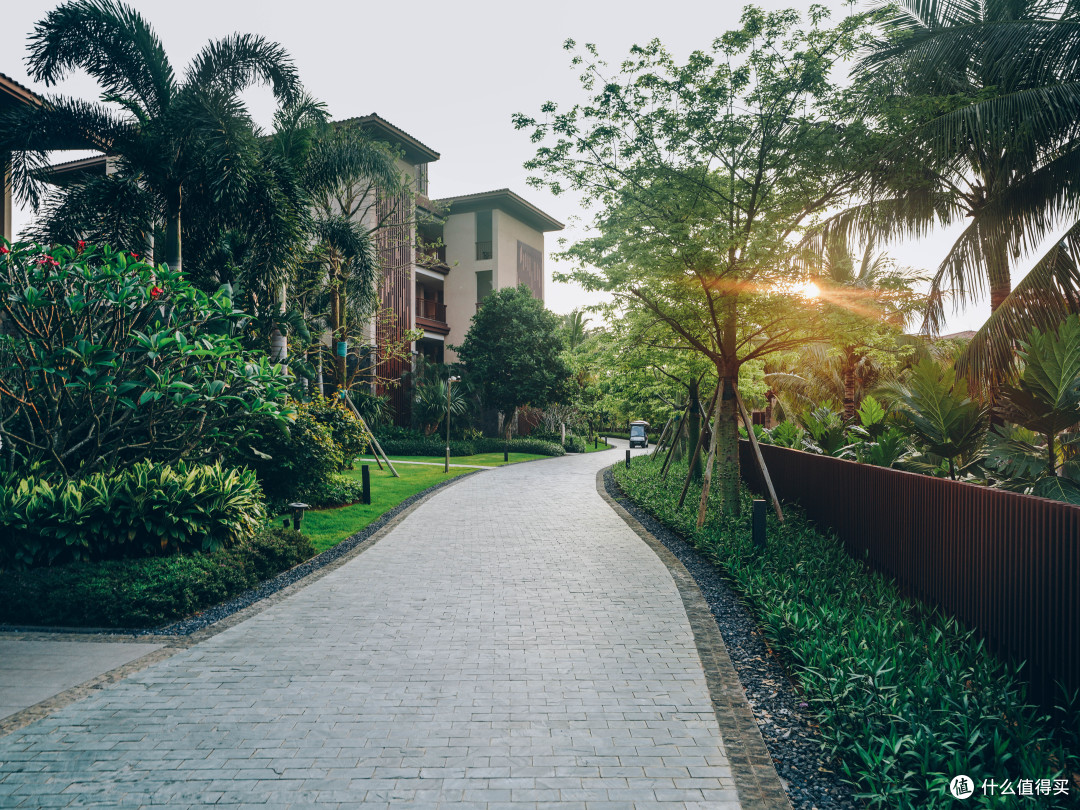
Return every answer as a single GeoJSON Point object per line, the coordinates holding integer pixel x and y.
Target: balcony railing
{"type": "Point", "coordinates": [431, 310]}
{"type": "Point", "coordinates": [483, 251]}
{"type": "Point", "coordinates": [431, 257]}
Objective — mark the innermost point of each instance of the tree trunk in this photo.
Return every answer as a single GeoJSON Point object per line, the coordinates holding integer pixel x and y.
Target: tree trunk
{"type": "Point", "coordinates": [694, 426]}
{"type": "Point", "coordinates": [849, 383]}
{"type": "Point", "coordinates": [727, 447]}
{"type": "Point", "coordinates": [173, 251]}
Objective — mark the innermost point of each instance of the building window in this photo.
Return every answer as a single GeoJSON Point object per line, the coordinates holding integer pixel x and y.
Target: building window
{"type": "Point", "coordinates": [421, 178]}
{"type": "Point", "coordinates": [483, 285]}
{"type": "Point", "coordinates": [530, 269]}
{"type": "Point", "coordinates": [483, 236]}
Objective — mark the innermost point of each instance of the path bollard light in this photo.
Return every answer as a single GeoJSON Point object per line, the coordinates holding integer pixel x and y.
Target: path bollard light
{"type": "Point", "coordinates": [506, 454]}
{"type": "Point", "coordinates": [758, 530]}
{"type": "Point", "coordinates": [365, 481]}
{"type": "Point", "coordinates": [298, 514]}
{"type": "Point", "coordinates": [627, 458]}
{"type": "Point", "coordinates": [595, 442]}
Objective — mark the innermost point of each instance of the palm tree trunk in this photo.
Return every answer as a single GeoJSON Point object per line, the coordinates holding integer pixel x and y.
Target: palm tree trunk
{"type": "Point", "coordinates": [849, 383]}
{"type": "Point", "coordinates": [173, 248]}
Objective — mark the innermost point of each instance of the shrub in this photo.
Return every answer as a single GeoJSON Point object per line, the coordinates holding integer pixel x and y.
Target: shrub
{"type": "Point", "coordinates": [337, 490]}
{"type": "Point", "coordinates": [906, 699]}
{"type": "Point", "coordinates": [536, 446]}
{"type": "Point", "coordinates": [148, 592]}
{"type": "Point", "coordinates": [426, 446]}
{"type": "Point", "coordinates": [142, 510]}
{"type": "Point", "coordinates": [346, 430]}
{"type": "Point", "coordinates": [297, 463]}
{"type": "Point", "coordinates": [136, 364]}
{"type": "Point", "coordinates": [574, 444]}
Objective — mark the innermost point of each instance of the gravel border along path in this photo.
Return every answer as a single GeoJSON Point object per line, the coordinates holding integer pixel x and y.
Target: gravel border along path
{"type": "Point", "coordinates": [811, 780]}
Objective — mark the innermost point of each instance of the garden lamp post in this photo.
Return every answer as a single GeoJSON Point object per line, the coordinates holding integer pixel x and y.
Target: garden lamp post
{"type": "Point", "coordinates": [450, 381]}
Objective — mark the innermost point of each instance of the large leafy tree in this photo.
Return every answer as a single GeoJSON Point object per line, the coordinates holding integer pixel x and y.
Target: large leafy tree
{"type": "Point", "coordinates": [171, 140]}
{"type": "Point", "coordinates": [981, 96]}
{"type": "Point", "coordinates": [703, 175]}
{"type": "Point", "coordinates": [514, 352]}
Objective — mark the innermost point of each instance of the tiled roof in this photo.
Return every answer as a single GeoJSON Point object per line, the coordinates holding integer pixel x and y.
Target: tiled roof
{"type": "Point", "coordinates": [505, 199]}
{"type": "Point", "coordinates": [414, 149]}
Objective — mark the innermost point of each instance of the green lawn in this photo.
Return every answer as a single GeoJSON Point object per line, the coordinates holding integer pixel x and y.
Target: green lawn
{"type": "Point", "coordinates": [328, 527]}
{"type": "Point", "coordinates": [479, 460]}
{"type": "Point", "coordinates": [601, 446]}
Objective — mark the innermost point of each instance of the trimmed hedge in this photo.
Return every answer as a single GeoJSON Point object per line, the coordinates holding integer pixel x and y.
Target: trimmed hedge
{"type": "Point", "coordinates": [142, 510]}
{"type": "Point", "coordinates": [147, 592]}
{"type": "Point", "coordinates": [653, 437]}
{"type": "Point", "coordinates": [574, 444]}
{"type": "Point", "coordinates": [432, 446]}
{"type": "Point", "coordinates": [905, 698]}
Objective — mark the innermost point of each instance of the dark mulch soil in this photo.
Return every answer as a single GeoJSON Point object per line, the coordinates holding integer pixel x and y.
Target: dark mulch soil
{"type": "Point", "coordinates": [812, 782]}
{"type": "Point", "coordinates": [189, 625]}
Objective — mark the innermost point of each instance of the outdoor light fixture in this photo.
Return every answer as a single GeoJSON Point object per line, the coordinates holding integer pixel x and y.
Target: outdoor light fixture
{"type": "Point", "coordinates": [298, 514]}
{"type": "Point", "coordinates": [449, 382]}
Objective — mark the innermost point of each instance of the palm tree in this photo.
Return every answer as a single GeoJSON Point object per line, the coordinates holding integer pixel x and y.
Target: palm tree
{"type": "Point", "coordinates": [574, 328]}
{"type": "Point", "coordinates": [172, 140]}
{"type": "Point", "coordinates": [984, 94]}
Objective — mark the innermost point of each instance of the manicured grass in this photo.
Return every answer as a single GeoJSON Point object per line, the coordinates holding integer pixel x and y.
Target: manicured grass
{"type": "Point", "coordinates": [601, 446]}
{"type": "Point", "coordinates": [328, 527]}
{"type": "Point", "coordinates": [478, 460]}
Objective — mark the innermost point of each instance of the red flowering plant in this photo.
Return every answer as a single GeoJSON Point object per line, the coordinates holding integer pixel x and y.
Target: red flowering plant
{"type": "Point", "coordinates": [145, 366]}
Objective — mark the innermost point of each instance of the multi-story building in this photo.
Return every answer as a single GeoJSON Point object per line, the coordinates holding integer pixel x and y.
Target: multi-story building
{"type": "Point", "coordinates": [442, 257]}
{"type": "Point", "coordinates": [12, 94]}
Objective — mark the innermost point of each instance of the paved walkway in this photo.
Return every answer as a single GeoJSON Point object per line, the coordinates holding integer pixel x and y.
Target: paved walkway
{"type": "Point", "coordinates": [510, 643]}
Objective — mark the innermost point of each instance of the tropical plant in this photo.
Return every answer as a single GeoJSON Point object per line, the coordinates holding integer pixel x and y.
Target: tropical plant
{"type": "Point", "coordinates": [347, 431]}
{"type": "Point", "coordinates": [298, 461]}
{"type": "Point", "coordinates": [827, 432]}
{"type": "Point", "coordinates": [942, 418]}
{"type": "Point", "coordinates": [139, 510]}
{"type": "Point", "coordinates": [111, 361]}
{"type": "Point", "coordinates": [173, 144]}
{"type": "Point", "coordinates": [982, 95]}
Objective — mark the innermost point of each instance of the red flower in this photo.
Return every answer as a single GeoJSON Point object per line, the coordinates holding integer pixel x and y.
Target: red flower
{"type": "Point", "coordinates": [4, 249]}
{"type": "Point", "coordinates": [80, 246]}
{"type": "Point", "coordinates": [48, 260]}
{"type": "Point", "coordinates": [135, 256]}
{"type": "Point", "coordinates": [155, 292]}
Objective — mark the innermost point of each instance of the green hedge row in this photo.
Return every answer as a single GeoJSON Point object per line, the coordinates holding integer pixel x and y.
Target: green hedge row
{"type": "Point", "coordinates": [626, 436]}
{"type": "Point", "coordinates": [906, 698]}
{"type": "Point", "coordinates": [141, 510]}
{"type": "Point", "coordinates": [432, 446]}
{"type": "Point", "coordinates": [147, 592]}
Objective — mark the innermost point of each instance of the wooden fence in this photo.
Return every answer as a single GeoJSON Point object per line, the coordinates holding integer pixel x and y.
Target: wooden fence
{"type": "Point", "coordinates": [1006, 565]}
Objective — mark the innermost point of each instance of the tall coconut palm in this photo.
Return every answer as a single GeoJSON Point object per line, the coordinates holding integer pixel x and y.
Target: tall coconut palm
{"type": "Point", "coordinates": [168, 138]}
{"type": "Point", "coordinates": [983, 96]}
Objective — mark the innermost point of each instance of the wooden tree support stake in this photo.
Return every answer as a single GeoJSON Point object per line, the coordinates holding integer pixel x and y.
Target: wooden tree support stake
{"type": "Point", "coordinates": [374, 441]}
{"type": "Point", "coordinates": [676, 435]}
{"type": "Point", "coordinates": [663, 435]}
{"type": "Point", "coordinates": [707, 484]}
{"type": "Point", "coordinates": [757, 454]}
{"type": "Point", "coordinates": [700, 442]}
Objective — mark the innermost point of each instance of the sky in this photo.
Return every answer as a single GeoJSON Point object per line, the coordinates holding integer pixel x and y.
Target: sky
{"type": "Point", "coordinates": [450, 74]}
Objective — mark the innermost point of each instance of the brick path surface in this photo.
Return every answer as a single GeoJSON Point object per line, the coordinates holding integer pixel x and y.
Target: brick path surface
{"type": "Point", "coordinates": [510, 643]}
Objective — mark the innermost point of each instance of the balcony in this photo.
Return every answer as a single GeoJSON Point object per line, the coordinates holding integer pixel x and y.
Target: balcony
{"type": "Point", "coordinates": [433, 259]}
{"type": "Point", "coordinates": [431, 315]}
{"type": "Point", "coordinates": [483, 251]}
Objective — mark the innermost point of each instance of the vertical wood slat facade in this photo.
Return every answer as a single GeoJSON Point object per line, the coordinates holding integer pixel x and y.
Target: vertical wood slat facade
{"type": "Point", "coordinates": [1005, 564]}
{"type": "Point", "coordinates": [395, 244]}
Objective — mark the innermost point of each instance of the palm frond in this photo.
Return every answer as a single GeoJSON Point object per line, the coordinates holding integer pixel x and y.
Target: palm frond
{"type": "Point", "coordinates": [241, 60]}
{"type": "Point", "coordinates": [110, 41]}
{"type": "Point", "coordinates": [1048, 294]}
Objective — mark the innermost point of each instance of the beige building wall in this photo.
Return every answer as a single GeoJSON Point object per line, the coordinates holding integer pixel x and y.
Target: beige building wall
{"type": "Point", "coordinates": [459, 234]}
{"type": "Point", "coordinates": [507, 232]}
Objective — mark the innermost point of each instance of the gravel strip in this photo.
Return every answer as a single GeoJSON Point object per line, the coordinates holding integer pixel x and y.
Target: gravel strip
{"type": "Point", "coordinates": [795, 744]}
{"type": "Point", "coordinates": [214, 614]}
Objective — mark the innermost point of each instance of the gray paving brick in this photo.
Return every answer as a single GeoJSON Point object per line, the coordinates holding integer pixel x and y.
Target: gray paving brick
{"type": "Point", "coordinates": [511, 642]}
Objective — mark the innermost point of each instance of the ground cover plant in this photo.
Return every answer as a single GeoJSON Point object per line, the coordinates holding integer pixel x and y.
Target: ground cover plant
{"type": "Point", "coordinates": [906, 699]}
{"type": "Point", "coordinates": [146, 592]}
{"type": "Point", "coordinates": [142, 510]}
